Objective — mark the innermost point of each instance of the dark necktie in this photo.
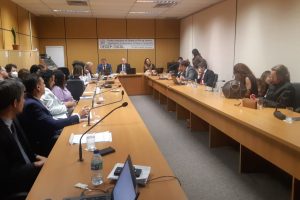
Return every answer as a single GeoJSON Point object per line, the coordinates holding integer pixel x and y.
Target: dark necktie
{"type": "Point", "coordinates": [123, 68]}
{"type": "Point", "coordinates": [14, 133]}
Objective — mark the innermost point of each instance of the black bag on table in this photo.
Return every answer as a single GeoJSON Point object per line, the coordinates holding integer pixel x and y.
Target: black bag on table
{"type": "Point", "coordinates": [233, 90]}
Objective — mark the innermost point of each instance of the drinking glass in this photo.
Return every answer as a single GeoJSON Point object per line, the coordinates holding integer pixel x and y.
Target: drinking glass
{"type": "Point", "coordinates": [90, 142]}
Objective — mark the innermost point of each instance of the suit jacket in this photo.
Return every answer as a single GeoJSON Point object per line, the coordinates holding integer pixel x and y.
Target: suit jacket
{"type": "Point", "coordinates": [280, 95]}
{"type": "Point", "coordinates": [40, 127]}
{"type": "Point", "coordinates": [190, 73]}
{"type": "Point", "coordinates": [107, 71]}
{"type": "Point", "coordinates": [208, 78]}
{"type": "Point", "coordinates": [119, 68]}
{"type": "Point", "coordinates": [16, 175]}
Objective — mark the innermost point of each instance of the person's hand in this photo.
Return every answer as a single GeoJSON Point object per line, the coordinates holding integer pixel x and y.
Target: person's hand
{"type": "Point", "coordinates": [40, 160]}
{"type": "Point", "coordinates": [84, 112]}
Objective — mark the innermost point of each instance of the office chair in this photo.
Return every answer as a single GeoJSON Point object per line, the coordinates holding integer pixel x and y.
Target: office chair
{"type": "Point", "coordinates": [131, 70]}
{"type": "Point", "coordinates": [76, 87]}
{"type": "Point", "coordinates": [297, 97]}
{"type": "Point", "coordinates": [159, 70]}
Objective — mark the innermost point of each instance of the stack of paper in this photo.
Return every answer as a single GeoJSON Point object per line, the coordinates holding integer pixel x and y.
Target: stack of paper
{"type": "Point", "coordinates": [99, 137]}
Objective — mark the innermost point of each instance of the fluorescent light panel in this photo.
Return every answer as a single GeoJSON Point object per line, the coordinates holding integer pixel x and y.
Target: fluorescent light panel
{"type": "Point", "coordinates": [71, 11]}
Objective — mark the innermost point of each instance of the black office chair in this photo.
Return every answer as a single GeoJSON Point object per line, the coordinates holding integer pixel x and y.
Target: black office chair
{"type": "Point", "coordinates": [131, 70]}
{"type": "Point", "coordinates": [297, 97]}
{"type": "Point", "coordinates": [76, 87]}
{"type": "Point", "coordinates": [159, 70]}
{"type": "Point", "coordinates": [215, 81]}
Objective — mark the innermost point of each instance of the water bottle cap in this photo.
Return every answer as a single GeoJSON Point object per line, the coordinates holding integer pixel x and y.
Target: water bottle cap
{"type": "Point", "coordinates": [96, 151]}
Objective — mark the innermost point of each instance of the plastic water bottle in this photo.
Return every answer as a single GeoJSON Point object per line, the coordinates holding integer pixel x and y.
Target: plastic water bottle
{"type": "Point", "coordinates": [96, 168]}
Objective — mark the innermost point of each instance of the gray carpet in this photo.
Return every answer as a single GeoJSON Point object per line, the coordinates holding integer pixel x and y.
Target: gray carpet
{"type": "Point", "coordinates": [206, 174]}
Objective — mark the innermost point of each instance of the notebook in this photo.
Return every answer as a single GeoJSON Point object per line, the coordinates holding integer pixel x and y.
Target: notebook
{"type": "Point", "coordinates": [124, 189]}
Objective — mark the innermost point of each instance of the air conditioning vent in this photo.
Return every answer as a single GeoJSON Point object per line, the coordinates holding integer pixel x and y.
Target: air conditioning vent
{"type": "Point", "coordinates": [77, 2]}
{"type": "Point", "coordinates": [165, 4]}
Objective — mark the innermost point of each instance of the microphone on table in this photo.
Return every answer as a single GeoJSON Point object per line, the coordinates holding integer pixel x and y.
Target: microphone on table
{"type": "Point", "coordinates": [277, 113]}
{"type": "Point", "coordinates": [93, 100]}
{"type": "Point", "coordinates": [89, 117]}
{"type": "Point", "coordinates": [80, 145]}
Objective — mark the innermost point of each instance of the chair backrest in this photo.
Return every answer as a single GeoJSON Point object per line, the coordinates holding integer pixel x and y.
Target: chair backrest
{"type": "Point", "coordinates": [215, 80]}
{"type": "Point", "coordinates": [160, 70]}
{"type": "Point", "coordinates": [297, 95]}
{"type": "Point", "coordinates": [131, 70]}
{"type": "Point", "coordinates": [76, 87]}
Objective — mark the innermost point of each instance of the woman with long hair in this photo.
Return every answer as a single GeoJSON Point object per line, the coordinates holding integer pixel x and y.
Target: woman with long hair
{"type": "Point", "coordinates": [244, 75]}
{"type": "Point", "coordinates": [263, 83]}
{"type": "Point", "coordinates": [148, 66]}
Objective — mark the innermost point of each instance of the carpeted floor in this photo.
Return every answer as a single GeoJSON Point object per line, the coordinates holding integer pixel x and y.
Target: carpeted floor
{"type": "Point", "coordinates": [206, 174]}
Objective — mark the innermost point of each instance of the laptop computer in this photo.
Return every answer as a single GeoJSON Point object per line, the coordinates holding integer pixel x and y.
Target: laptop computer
{"type": "Point", "coordinates": [124, 189]}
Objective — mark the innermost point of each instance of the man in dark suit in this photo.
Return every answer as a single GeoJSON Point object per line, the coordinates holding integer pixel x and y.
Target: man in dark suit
{"type": "Point", "coordinates": [281, 92]}
{"type": "Point", "coordinates": [189, 72]}
{"type": "Point", "coordinates": [123, 67]}
{"type": "Point", "coordinates": [19, 165]}
{"type": "Point", "coordinates": [104, 68]}
{"type": "Point", "coordinates": [41, 128]}
{"type": "Point", "coordinates": [206, 76]}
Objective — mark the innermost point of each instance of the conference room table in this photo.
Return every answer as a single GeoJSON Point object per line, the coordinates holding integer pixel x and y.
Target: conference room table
{"type": "Point", "coordinates": [129, 137]}
{"type": "Point", "coordinates": [259, 136]}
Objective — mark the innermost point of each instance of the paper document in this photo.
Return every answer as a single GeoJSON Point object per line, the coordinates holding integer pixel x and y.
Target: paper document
{"type": "Point", "coordinates": [99, 137]}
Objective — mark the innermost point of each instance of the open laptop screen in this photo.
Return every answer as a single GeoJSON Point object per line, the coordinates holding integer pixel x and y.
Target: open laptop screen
{"type": "Point", "coordinates": [126, 188]}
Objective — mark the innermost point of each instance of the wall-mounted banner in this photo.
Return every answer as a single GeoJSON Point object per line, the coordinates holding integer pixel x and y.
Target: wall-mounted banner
{"type": "Point", "coordinates": [126, 43]}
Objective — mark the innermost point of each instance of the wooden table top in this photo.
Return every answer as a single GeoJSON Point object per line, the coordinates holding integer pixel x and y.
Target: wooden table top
{"type": "Point", "coordinates": [129, 136]}
{"type": "Point", "coordinates": [262, 121]}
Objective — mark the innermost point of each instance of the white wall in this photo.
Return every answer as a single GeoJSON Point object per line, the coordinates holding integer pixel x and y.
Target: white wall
{"type": "Point", "coordinates": [267, 33]}
{"type": "Point", "coordinates": [186, 37]}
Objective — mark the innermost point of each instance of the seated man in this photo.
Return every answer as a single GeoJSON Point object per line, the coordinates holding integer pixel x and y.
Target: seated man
{"type": "Point", "coordinates": [123, 67]}
{"type": "Point", "coordinates": [11, 69]}
{"type": "Point", "coordinates": [189, 72]}
{"type": "Point", "coordinates": [281, 92]}
{"type": "Point", "coordinates": [38, 123]}
{"type": "Point", "coordinates": [206, 76]}
{"type": "Point", "coordinates": [19, 165]}
{"type": "Point", "coordinates": [104, 68]}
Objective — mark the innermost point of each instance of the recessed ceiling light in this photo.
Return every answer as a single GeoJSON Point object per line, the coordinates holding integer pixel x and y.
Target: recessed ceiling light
{"type": "Point", "coordinates": [138, 12]}
{"type": "Point", "coordinates": [145, 1]}
{"type": "Point", "coordinates": [71, 11]}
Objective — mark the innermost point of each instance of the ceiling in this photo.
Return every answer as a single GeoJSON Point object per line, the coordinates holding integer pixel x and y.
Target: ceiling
{"type": "Point", "coordinates": [115, 8]}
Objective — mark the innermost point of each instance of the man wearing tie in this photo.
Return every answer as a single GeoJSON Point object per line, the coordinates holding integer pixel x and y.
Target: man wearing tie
{"type": "Point", "coordinates": [19, 165]}
{"type": "Point", "coordinates": [206, 76]}
{"type": "Point", "coordinates": [104, 68]}
{"type": "Point", "coordinates": [123, 67]}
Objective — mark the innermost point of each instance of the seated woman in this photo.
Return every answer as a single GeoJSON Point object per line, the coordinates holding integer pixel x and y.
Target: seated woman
{"type": "Point", "coordinates": [244, 75]}
{"type": "Point", "coordinates": [263, 83]}
{"type": "Point", "coordinates": [281, 92]}
{"type": "Point", "coordinates": [148, 66]}
{"type": "Point", "coordinates": [60, 90]}
{"type": "Point", "coordinates": [56, 107]}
